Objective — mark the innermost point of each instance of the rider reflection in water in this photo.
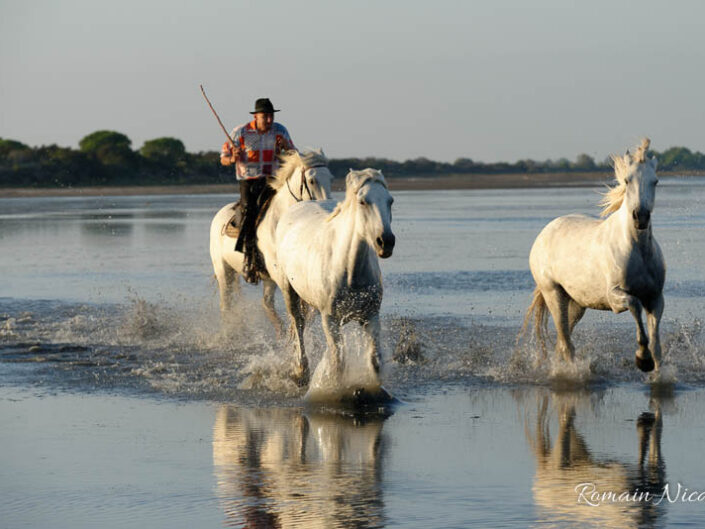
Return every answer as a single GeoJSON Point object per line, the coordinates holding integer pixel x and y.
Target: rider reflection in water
{"type": "Point", "coordinates": [257, 146]}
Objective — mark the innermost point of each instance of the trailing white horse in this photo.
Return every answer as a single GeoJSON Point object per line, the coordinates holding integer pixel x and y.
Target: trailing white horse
{"type": "Point", "coordinates": [580, 262]}
{"type": "Point", "coordinates": [301, 177]}
{"type": "Point", "coordinates": [327, 256]}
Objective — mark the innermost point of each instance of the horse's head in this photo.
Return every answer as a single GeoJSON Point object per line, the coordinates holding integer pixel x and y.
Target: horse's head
{"type": "Point", "coordinates": [636, 191]}
{"type": "Point", "coordinates": [304, 175]}
{"type": "Point", "coordinates": [317, 182]}
{"type": "Point", "coordinates": [367, 192]}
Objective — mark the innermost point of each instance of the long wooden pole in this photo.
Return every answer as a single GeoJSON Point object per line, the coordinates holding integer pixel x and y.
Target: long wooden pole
{"type": "Point", "coordinates": [216, 117]}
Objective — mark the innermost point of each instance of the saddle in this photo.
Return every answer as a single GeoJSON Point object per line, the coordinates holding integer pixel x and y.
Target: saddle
{"type": "Point", "coordinates": [233, 230]}
{"type": "Point", "coordinates": [232, 227]}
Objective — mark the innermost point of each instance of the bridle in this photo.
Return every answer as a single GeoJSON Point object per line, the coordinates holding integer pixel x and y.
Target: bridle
{"type": "Point", "coordinates": [304, 184]}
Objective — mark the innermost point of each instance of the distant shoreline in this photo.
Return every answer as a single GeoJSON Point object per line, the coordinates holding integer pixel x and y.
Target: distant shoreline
{"type": "Point", "coordinates": [421, 183]}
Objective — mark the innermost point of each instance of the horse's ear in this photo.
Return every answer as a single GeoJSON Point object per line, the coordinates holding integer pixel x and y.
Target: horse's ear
{"type": "Point", "coordinates": [352, 179]}
{"type": "Point", "coordinates": [628, 157]}
{"type": "Point", "coordinates": [640, 156]}
{"type": "Point", "coordinates": [654, 162]}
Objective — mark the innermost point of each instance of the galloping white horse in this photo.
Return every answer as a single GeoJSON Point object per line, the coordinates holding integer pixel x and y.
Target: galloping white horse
{"type": "Point", "coordinates": [579, 262]}
{"type": "Point", "coordinates": [301, 177]}
{"type": "Point", "coordinates": [327, 256]}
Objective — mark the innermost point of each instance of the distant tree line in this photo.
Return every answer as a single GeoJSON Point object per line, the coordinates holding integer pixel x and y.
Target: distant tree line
{"type": "Point", "coordinates": [106, 158]}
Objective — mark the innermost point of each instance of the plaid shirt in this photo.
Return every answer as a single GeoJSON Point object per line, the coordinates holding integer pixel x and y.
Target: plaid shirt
{"type": "Point", "coordinates": [259, 151]}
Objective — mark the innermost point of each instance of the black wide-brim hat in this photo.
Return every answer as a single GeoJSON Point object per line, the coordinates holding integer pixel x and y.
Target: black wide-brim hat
{"type": "Point", "coordinates": [264, 105]}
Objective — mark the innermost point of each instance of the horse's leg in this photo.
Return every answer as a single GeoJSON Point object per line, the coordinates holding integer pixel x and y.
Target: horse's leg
{"type": "Point", "coordinates": [575, 312]}
{"type": "Point", "coordinates": [649, 429]}
{"type": "Point", "coordinates": [331, 328]}
{"type": "Point", "coordinates": [269, 287]}
{"type": "Point", "coordinates": [619, 301]}
{"type": "Point", "coordinates": [558, 301]}
{"type": "Point", "coordinates": [293, 307]}
{"type": "Point", "coordinates": [566, 446]}
{"type": "Point", "coordinates": [653, 320]}
{"type": "Point", "coordinates": [227, 280]}
{"type": "Point", "coordinates": [308, 311]}
{"type": "Point", "coordinates": [655, 460]}
{"type": "Point", "coordinates": [301, 428]}
{"type": "Point", "coordinates": [371, 328]}
{"type": "Point", "coordinates": [234, 284]}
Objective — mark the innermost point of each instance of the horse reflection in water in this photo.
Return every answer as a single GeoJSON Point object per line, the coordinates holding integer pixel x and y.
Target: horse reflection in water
{"type": "Point", "coordinates": [564, 465]}
{"type": "Point", "coordinates": [284, 468]}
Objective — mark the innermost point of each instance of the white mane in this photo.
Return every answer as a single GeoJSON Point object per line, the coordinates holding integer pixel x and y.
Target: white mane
{"type": "Point", "coordinates": [293, 160]}
{"type": "Point", "coordinates": [614, 196]}
{"type": "Point", "coordinates": [313, 157]}
{"type": "Point", "coordinates": [353, 183]}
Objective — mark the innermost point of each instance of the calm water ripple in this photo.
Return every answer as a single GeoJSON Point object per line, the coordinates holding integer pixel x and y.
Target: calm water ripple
{"type": "Point", "coordinates": [126, 403]}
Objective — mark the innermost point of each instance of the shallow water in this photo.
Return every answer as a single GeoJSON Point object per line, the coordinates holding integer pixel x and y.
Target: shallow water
{"type": "Point", "coordinates": [456, 456]}
{"type": "Point", "coordinates": [108, 309]}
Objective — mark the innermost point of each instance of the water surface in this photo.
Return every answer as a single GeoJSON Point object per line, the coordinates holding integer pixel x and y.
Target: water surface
{"type": "Point", "coordinates": [125, 402]}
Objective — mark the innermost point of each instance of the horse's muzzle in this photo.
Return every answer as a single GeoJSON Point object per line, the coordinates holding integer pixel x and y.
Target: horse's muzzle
{"type": "Point", "coordinates": [641, 218]}
{"type": "Point", "coordinates": [385, 245]}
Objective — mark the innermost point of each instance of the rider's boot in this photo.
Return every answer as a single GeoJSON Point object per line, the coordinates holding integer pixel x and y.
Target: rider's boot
{"type": "Point", "coordinates": [249, 268]}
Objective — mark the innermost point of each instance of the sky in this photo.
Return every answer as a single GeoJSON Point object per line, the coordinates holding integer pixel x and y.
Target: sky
{"type": "Point", "coordinates": [498, 80]}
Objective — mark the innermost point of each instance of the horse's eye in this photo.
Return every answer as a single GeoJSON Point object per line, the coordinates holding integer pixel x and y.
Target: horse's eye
{"type": "Point", "coordinates": [362, 202]}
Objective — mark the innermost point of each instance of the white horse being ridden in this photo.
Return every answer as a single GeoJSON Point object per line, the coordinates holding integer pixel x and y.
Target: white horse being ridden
{"type": "Point", "coordinates": [301, 177]}
{"type": "Point", "coordinates": [579, 262]}
{"type": "Point", "coordinates": [327, 256]}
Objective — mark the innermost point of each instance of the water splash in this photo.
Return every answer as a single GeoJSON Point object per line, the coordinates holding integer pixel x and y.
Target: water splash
{"type": "Point", "coordinates": [271, 372]}
{"type": "Point", "coordinates": [666, 376]}
{"type": "Point", "coordinates": [684, 345]}
{"type": "Point", "coordinates": [183, 349]}
{"type": "Point", "coordinates": [563, 374]}
{"type": "Point", "coordinates": [352, 382]}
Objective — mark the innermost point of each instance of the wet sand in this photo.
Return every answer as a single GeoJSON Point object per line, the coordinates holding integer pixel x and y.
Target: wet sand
{"type": "Point", "coordinates": [420, 183]}
{"type": "Point", "coordinates": [450, 182]}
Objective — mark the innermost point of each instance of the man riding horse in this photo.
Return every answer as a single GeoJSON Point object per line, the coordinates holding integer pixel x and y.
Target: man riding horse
{"type": "Point", "coordinates": [257, 146]}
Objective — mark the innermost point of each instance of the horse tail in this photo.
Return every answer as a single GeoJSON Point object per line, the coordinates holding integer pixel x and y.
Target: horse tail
{"type": "Point", "coordinates": [539, 311]}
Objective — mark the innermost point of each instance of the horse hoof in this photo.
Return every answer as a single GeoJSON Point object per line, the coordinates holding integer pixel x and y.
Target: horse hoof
{"type": "Point", "coordinates": [645, 364]}
{"type": "Point", "coordinates": [646, 419]}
